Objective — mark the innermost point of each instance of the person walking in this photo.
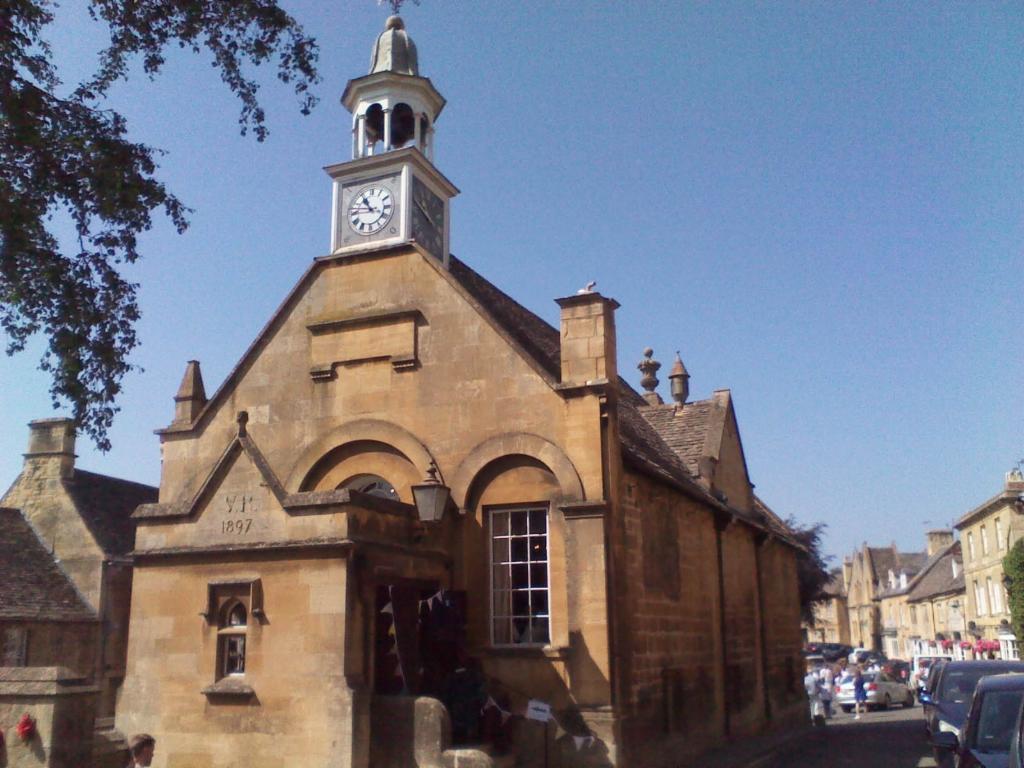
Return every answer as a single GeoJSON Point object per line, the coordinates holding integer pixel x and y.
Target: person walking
{"type": "Point", "coordinates": [827, 679]}
{"type": "Point", "coordinates": [812, 684]}
{"type": "Point", "coordinates": [860, 693]}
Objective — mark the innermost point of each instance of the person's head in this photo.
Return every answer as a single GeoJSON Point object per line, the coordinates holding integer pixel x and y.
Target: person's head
{"type": "Point", "coordinates": [142, 747]}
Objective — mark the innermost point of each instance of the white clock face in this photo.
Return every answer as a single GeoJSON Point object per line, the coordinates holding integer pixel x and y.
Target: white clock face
{"type": "Point", "coordinates": [370, 210]}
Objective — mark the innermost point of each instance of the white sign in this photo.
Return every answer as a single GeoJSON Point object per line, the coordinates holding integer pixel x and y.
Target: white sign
{"type": "Point", "coordinates": [538, 710]}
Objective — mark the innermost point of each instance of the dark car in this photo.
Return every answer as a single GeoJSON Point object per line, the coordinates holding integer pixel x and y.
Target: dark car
{"type": "Point", "coordinates": [833, 652]}
{"type": "Point", "coordinates": [990, 725]}
{"type": "Point", "coordinates": [951, 697]}
{"type": "Point", "coordinates": [927, 692]}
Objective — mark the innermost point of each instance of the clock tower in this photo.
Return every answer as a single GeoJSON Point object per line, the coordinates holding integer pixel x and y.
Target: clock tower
{"type": "Point", "coordinates": [390, 192]}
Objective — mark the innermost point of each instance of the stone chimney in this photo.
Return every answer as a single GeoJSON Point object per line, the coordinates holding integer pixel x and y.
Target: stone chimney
{"type": "Point", "coordinates": [191, 395]}
{"type": "Point", "coordinates": [1014, 480]}
{"type": "Point", "coordinates": [51, 447]}
{"type": "Point", "coordinates": [588, 338]}
{"type": "Point", "coordinates": [938, 540]}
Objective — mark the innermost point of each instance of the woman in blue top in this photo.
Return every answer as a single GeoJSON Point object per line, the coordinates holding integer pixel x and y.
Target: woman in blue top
{"type": "Point", "coordinates": [860, 694]}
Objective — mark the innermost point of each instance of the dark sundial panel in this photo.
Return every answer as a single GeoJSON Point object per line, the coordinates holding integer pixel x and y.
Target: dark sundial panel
{"type": "Point", "coordinates": [427, 218]}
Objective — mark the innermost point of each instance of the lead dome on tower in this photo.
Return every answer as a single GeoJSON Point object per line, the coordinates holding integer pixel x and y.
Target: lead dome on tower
{"type": "Point", "coordinates": [394, 50]}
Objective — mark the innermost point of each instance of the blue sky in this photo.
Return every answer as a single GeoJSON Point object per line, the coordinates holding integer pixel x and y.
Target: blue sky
{"type": "Point", "coordinates": [819, 204]}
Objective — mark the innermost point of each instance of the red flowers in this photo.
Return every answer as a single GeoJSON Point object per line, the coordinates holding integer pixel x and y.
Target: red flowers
{"type": "Point", "coordinates": [26, 727]}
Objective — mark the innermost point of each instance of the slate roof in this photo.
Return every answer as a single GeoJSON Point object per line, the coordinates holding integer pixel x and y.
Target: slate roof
{"type": "Point", "coordinates": [33, 586]}
{"type": "Point", "coordinates": [640, 442]}
{"type": "Point", "coordinates": [643, 444]}
{"type": "Point", "coordinates": [684, 430]}
{"type": "Point", "coordinates": [775, 523]}
{"type": "Point", "coordinates": [884, 559]}
{"type": "Point", "coordinates": [834, 586]}
{"type": "Point", "coordinates": [106, 505]}
{"type": "Point", "coordinates": [936, 578]}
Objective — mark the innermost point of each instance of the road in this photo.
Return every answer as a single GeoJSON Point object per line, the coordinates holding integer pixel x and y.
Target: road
{"type": "Point", "coordinates": [892, 739]}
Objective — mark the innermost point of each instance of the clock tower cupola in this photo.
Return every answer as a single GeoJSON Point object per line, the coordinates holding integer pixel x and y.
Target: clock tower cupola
{"type": "Point", "coordinates": [390, 192]}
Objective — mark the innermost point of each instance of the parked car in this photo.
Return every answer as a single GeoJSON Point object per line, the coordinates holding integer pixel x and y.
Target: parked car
{"type": "Point", "coordinates": [899, 670]}
{"type": "Point", "coordinates": [949, 701]}
{"type": "Point", "coordinates": [833, 652]}
{"type": "Point", "coordinates": [927, 694]}
{"type": "Point", "coordinates": [990, 725]}
{"type": "Point", "coordinates": [883, 691]}
{"type": "Point", "coordinates": [921, 668]}
{"type": "Point", "coordinates": [1016, 757]}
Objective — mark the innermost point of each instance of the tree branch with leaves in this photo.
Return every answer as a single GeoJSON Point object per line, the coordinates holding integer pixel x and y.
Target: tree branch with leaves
{"type": "Point", "coordinates": [71, 156]}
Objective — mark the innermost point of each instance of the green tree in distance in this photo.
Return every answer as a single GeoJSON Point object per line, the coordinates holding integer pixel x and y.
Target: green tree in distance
{"type": "Point", "coordinates": [1013, 571]}
{"type": "Point", "coordinates": [63, 152]}
{"type": "Point", "coordinates": [811, 567]}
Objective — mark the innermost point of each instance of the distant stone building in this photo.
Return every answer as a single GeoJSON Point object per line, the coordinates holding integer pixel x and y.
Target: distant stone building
{"type": "Point", "coordinates": [412, 490]}
{"type": "Point", "coordinates": [869, 573]}
{"type": "Point", "coordinates": [831, 615]}
{"type": "Point", "coordinates": [986, 533]}
{"type": "Point", "coordinates": [936, 600]}
{"type": "Point", "coordinates": [65, 585]}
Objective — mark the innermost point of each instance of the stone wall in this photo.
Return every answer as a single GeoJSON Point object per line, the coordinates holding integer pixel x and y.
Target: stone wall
{"type": "Point", "coordinates": [301, 703]}
{"type": "Point", "coordinates": [672, 663]}
{"type": "Point", "coordinates": [786, 700]}
{"type": "Point", "coordinates": [59, 644]}
{"type": "Point", "coordinates": [63, 707]}
{"type": "Point", "coordinates": [743, 679]}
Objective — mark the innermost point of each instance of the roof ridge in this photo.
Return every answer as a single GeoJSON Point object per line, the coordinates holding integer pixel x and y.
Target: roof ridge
{"type": "Point", "coordinates": [125, 481]}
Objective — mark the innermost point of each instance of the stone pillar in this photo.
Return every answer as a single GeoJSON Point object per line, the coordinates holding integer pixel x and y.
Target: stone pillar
{"type": "Point", "coordinates": [588, 339]}
{"type": "Point", "coordinates": [63, 708]}
{"type": "Point", "coordinates": [361, 136]}
{"type": "Point", "coordinates": [387, 130]}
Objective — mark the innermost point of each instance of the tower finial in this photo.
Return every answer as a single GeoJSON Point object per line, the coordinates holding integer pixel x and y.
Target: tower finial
{"type": "Point", "coordinates": [649, 381]}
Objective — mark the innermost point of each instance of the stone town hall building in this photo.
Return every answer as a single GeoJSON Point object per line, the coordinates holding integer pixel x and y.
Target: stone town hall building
{"type": "Point", "coordinates": [411, 490]}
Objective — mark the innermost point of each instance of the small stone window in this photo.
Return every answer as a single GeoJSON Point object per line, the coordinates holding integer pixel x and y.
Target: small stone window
{"type": "Point", "coordinates": [233, 607]}
{"type": "Point", "coordinates": [520, 613]}
{"type": "Point", "coordinates": [231, 639]}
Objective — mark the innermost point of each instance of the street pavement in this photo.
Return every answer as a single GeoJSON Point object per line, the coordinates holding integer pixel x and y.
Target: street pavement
{"type": "Point", "coordinates": [892, 739]}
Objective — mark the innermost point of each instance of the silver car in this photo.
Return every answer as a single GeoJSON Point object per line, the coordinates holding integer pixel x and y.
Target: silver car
{"type": "Point", "coordinates": [883, 691]}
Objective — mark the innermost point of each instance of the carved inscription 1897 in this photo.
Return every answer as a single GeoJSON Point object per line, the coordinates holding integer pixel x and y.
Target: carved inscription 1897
{"type": "Point", "coordinates": [239, 508]}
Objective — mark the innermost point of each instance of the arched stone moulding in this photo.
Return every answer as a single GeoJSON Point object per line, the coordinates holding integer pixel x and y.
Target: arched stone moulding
{"type": "Point", "coordinates": [373, 430]}
{"type": "Point", "coordinates": [514, 444]}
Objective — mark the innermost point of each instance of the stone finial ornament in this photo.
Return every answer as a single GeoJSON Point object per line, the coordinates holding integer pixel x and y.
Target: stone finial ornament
{"type": "Point", "coordinates": [649, 380]}
{"type": "Point", "coordinates": [191, 395]}
{"type": "Point", "coordinates": [679, 380]}
{"type": "Point", "coordinates": [394, 50]}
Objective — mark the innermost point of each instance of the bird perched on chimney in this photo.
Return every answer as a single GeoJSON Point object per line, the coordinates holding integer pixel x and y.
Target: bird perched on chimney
{"type": "Point", "coordinates": [588, 288]}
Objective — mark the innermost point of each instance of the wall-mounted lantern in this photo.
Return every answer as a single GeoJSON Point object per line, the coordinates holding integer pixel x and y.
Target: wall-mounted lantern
{"type": "Point", "coordinates": [431, 496]}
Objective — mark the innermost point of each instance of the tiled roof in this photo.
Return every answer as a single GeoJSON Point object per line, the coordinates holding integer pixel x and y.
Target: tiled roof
{"type": "Point", "coordinates": [533, 333]}
{"type": "Point", "coordinates": [33, 586]}
{"type": "Point", "coordinates": [936, 578]}
{"type": "Point", "coordinates": [774, 522]}
{"type": "Point", "coordinates": [539, 339]}
{"type": "Point", "coordinates": [643, 445]}
{"type": "Point", "coordinates": [1006, 496]}
{"type": "Point", "coordinates": [684, 429]}
{"type": "Point", "coordinates": [885, 559]}
{"type": "Point", "coordinates": [834, 587]}
{"type": "Point", "coordinates": [106, 505]}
